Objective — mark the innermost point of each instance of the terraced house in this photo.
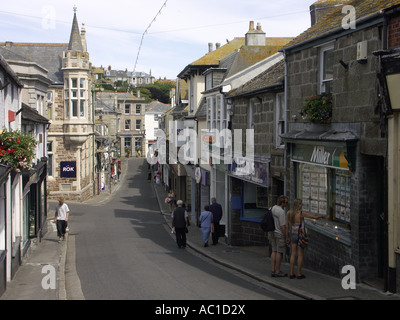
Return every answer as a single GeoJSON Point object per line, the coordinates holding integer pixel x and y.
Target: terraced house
{"type": "Point", "coordinates": [337, 157]}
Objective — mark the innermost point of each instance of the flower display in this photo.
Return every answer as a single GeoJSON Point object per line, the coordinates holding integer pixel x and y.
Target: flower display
{"type": "Point", "coordinates": [17, 149]}
{"type": "Point", "coordinates": [317, 108]}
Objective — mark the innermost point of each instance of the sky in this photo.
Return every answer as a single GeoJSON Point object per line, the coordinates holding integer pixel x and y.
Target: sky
{"type": "Point", "coordinates": [178, 31]}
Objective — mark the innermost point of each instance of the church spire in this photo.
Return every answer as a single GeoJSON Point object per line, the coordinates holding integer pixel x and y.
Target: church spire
{"type": "Point", "coordinates": [75, 40]}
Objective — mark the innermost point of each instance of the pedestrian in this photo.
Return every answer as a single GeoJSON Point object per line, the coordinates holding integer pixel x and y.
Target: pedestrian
{"type": "Point", "coordinates": [279, 237]}
{"type": "Point", "coordinates": [180, 223]}
{"type": "Point", "coordinates": [216, 210]}
{"type": "Point", "coordinates": [119, 170]}
{"type": "Point", "coordinates": [295, 224]}
{"type": "Point", "coordinates": [207, 224]}
{"type": "Point", "coordinates": [171, 199]}
{"type": "Point", "coordinates": [61, 218]}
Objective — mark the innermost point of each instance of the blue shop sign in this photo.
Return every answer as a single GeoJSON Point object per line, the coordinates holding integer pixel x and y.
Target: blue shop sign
{"type": "Point", "coordinates": [68, 169]}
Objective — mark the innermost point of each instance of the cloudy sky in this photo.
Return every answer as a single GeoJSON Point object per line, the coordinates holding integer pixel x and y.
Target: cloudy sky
{"type": "Point", "coordinates": [179, 35]}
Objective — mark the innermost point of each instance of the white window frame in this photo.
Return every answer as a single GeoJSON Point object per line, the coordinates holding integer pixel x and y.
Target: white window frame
{"type": "Point", "coordinates": [127, 108]}
{"type": "Point", "coordinates": [280, 120]}
{"type": "Point", "coordinates": [322, 81]}
{"type": "Point", "coordinates": [128, 124]}
{"type": "Point", "coordinates": [250, 114]}
{"type": "Point", "coordinates": [140, 110]}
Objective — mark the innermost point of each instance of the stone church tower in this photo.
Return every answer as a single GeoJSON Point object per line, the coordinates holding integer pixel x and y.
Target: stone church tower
{"type": "Point", "coordinates": [71, 132]}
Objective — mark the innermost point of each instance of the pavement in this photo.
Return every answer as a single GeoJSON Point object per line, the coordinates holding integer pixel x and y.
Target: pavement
{"type": "Point", "coordinates": [45, 266]}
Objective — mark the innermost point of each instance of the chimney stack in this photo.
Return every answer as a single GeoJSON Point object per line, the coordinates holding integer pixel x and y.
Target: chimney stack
{"type": "Point", "coordinates": [320, 9]}
{"type": "Point", "coordinates": [255, 37]}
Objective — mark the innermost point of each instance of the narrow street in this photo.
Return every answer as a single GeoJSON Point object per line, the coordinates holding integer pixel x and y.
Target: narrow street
{"type": "Point", "coordinates": [123, 249]}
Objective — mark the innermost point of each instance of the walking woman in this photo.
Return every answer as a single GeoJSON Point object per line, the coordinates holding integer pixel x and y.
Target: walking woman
{"type": "Point", "coordinates": [207, 224]}
{"type": "Point", "coordinates": [294, 222]}
{"type": "Point", "coordinates": [171, 199]}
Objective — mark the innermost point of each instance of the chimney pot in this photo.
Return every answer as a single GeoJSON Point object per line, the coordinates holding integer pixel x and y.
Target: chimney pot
{"type": "Point", "coordinates": [217, 46]}
{"type": "Point", "coordinates": [251, 27]}
{"type": "Point", "coordinates": [210, 47]}
{"type": "Point", "coordinates": [259, 26]}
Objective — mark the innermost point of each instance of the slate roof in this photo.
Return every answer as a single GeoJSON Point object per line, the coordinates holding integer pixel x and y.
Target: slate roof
{"type": "Point", "coordinates": [272, 77]}
{"type": "Point", "coordinates": [49, 56]}
{"type": "Point", "coordinates": [333, 21]}
{"type": "Point", "coordinates": [30, 115]}
{"type": "Point", "coordinates": [157, 107]}
{"type": "Point", "coordinates": [11, 73]}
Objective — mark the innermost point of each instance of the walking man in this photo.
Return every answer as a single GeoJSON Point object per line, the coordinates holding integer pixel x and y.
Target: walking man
{"type": "Point", "coordinates": [279, 237]}
{"type": "Point", "coordinates": [180, 223]}
{"type": "Point", "coordinates": [61, 218]}
{"type": "Point", "coordinates": [216, 210]}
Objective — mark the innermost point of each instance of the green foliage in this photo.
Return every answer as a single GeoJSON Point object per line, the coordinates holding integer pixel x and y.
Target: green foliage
{"type": "Point", "coordinates": [17, 149]}
{"type": "Point", "coordinates": [317, 108]}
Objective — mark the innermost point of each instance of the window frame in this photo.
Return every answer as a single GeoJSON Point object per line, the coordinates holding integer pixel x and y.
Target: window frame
{"type": "Point", "coordinates": [323, 81]}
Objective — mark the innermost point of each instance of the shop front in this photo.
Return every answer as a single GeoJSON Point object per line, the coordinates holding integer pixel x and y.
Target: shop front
{"type": "Point", "coordinates": [335, 181]}
{"type": "Point", "coordinates": [249, 185]}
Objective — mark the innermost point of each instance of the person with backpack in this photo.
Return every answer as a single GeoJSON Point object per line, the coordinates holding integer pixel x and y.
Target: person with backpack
{"type": "Point", "coordinates": [279, 237]}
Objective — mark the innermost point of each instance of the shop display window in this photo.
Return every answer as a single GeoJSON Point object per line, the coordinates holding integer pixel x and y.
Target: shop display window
{"type": "Point", "coordinates": [325, 191]}
{"type": "Point", "coordinates": [255, 200]}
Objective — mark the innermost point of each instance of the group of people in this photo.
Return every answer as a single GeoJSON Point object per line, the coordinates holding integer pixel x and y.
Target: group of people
{"type": "Point", "coordinates": [287, 229]}
{"type": "Point", "coordinates": [209, 221]}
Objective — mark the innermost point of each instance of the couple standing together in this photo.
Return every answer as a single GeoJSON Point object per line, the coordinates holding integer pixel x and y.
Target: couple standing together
{"type": "Point", "coordinates": [286, 232]}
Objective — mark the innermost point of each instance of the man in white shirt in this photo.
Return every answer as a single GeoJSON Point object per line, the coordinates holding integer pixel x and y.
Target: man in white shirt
{"type": "Point", "coordinates": [277, 238]}
{"type": "Point", "coordinates": [61, 218]}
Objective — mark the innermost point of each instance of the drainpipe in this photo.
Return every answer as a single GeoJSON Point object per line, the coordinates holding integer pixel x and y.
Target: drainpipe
{"type": "Point", "coordinates": [286, 122]}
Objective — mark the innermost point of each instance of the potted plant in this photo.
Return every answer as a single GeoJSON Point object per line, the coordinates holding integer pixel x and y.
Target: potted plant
{"type": "Point", "coordinates": [317, 109]}
{"type": "Point", "coordinates": [17, 149]}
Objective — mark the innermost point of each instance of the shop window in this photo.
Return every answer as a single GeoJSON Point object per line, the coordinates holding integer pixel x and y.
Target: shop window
{"type": "Point", "coordinates": [325, 191]}
{"type": "Point", "coordinates": [255, 200]}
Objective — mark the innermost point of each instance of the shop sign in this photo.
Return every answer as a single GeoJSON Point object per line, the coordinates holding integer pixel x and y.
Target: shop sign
{"type": "Point", "coordinates": [330, 156]}
{"type": "Point", "coordinates": [68, 169]}
{"type": "Point", "coordinates": [250, 170]}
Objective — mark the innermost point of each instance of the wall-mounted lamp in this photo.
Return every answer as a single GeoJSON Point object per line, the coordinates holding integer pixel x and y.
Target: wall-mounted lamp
{"type": "Point", "coordinates": [389, 78]}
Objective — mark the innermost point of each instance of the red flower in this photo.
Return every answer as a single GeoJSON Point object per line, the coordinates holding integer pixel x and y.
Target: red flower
{"type": "Point", "coordinates": [18, 141]}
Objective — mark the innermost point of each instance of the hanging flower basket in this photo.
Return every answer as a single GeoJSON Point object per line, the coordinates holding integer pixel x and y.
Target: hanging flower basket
{"type": "Point", "coordinates": [17, 149]}
{"type": "Point", "coordinates": [317, 109]}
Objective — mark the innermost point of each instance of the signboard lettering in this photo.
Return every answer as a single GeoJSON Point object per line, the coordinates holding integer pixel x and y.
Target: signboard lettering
{"type": "Point", "coordinates": [68, 169]}
{"type": "Point", "coordinates": [319, 155]}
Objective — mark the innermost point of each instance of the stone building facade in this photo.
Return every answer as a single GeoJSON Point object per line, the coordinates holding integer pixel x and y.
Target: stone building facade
{"type": "Point", "coordinates": [258, 105]}
{"type": "Point", "coordinates": [337, 167]}
{"type": "Point", "coordinates": [71, 134]}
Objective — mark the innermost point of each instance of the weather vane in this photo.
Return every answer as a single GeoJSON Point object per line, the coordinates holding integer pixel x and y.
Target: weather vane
{"type": "Point", "coordinates": [75, 8]}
